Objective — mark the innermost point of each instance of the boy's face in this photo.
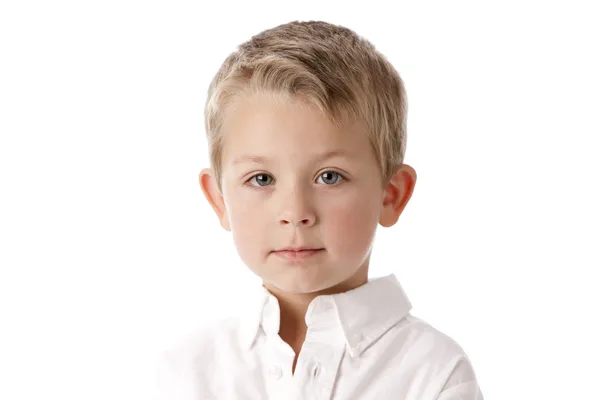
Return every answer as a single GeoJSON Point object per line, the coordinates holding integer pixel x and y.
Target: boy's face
{"type": "Point", "coordinates": [292, 179]}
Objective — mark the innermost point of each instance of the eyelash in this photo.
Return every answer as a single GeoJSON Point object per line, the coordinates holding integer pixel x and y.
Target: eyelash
{"type": "Point", "coordinates": [341, 179]}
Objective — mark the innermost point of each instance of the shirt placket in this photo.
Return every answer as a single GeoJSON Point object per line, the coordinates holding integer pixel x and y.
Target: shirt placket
{"type": "Point", "coordinates": [280, 385]}
{"type": "Point", "coordinates": [321, 354]}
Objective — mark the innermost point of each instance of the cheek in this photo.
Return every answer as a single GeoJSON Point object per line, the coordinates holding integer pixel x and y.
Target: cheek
{"type": "Point", "coordinates": [246, 217]}
{"type": "Point", "coordinates": [242, 208]}
{"type": "Point", "coordinates": [351, 225]}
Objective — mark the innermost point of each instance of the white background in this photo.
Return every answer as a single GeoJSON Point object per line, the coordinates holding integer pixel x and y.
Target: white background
{"type": "Point", "coordinates": [109, 252]}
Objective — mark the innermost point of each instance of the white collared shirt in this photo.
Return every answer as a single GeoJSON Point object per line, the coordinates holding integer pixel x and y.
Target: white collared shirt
{"type": "Point", "coordinates": [361, 344]}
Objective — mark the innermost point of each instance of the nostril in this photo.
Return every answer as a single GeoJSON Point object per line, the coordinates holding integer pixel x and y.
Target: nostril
{"type": "Point", "coordinates": [305, 221]}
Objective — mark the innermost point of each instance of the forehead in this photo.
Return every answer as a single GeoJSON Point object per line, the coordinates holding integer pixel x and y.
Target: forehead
{"type": "Point", "coordinates": [270, 126]}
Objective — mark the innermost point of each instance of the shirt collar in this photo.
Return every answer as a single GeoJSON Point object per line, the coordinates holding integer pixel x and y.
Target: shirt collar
{"type": "Point", "coordinates": [362, 315]}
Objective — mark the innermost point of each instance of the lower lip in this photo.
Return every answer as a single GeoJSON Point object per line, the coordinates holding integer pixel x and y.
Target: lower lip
{"type": "Point", "coordinates": [297, 255]}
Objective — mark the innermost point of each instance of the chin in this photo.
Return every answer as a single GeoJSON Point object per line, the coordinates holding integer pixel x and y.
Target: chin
{"type": "Point", "coordinates": [304, 285]}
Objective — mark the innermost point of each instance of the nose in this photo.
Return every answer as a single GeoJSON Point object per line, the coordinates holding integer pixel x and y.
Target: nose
{"type": "Point", "coordinates": [297, 211]}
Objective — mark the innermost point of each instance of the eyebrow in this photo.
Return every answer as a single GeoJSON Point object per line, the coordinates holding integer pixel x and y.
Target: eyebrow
{"type": "Point", "coordinates": [263, 160]}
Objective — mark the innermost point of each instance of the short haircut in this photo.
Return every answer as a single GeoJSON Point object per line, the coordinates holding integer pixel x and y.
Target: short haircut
{"type": "Point", "coordinates": [326, 65]}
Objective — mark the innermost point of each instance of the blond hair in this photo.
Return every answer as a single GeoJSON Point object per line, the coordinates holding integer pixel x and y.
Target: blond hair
{"type": "Point", "coordinates": [326, 65]}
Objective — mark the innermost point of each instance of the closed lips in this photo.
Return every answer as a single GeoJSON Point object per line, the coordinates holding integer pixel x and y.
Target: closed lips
{"type": "Point", "coordinates": [298, 253]}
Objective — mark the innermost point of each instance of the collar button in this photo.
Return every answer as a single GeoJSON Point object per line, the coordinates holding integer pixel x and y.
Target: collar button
{"type": "Point", "coordinates": [275, 372]}
{"type": "Point", "coordinates": [357, 338]}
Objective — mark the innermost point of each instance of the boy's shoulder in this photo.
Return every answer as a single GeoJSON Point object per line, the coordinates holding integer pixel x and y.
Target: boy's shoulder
{"type": "Point", "coordinates": [442, 352]}
{"type": "Point", "coordinates": [421, 331]}
{"type": "Point", "coordinates": [198, 347]}
{"type": "Point", "coordinates": [186, 366]}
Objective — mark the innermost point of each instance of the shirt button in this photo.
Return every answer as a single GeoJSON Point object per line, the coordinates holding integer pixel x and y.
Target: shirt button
{"type": "Point", "coordinates": [275, 372]}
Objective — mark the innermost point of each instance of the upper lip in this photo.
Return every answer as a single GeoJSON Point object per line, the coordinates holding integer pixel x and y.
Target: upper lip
{"type": "Point", "coordinates": [299, 248]}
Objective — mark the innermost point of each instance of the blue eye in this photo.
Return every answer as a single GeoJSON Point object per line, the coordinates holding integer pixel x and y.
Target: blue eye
{"type": "Point", "coordinates": [331, 177]}
{"type": "Point", "coordinates": [261, 179]}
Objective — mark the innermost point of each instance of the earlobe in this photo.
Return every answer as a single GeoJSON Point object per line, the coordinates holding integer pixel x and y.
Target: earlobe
{"type": "Point", "coordinates": [211, 191]}
{"type": "Point", "coordinates": [397, 193]}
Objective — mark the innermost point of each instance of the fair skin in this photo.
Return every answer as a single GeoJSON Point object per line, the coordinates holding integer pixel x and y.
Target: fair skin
{"type": "Point", "coordinates": [291, 178]}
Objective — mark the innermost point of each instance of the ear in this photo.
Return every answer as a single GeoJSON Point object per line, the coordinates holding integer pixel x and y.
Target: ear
{"type": "Point", "coordinates": [209, 186]}
{"type": "Point", "coordinates": [397, 193]}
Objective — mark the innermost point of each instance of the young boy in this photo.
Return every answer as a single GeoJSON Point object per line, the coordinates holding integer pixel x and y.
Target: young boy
{"type": "Point", "coordinates": [306, 125]}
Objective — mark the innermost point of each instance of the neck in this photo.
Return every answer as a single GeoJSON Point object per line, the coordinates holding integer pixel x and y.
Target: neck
{"type": "Point", "coordinates": [293, 306]}
{"type": "Point", "coordinates": [292, 325]}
